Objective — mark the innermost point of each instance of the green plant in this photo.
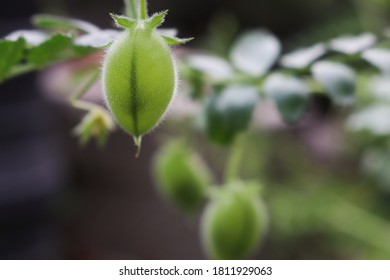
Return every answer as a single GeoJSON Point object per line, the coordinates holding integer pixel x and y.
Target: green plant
{"type": "Point", "coordinates": [228, 89]}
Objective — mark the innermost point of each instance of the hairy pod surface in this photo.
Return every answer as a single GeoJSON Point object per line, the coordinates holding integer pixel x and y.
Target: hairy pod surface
{"type": "Point", "coordinates": [139, 79]}
{"type": "Point", "coordinates": [233, 223]}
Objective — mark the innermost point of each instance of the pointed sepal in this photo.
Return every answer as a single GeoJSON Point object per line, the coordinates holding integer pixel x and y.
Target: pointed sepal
{"type": "Point", "coordinates": [175, 41]}
{"type": "Point", "coordinates": [122, 21]}
{"type": "Point", "coordinates": [156, 20]}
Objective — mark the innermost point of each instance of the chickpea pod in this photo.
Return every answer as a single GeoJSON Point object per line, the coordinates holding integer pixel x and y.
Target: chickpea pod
{"type": "Point", "coordinates": [139, 74]}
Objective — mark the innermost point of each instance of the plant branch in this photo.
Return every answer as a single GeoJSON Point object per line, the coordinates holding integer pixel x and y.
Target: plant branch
{"type": "Point", "coordinates": [20, 70]}
{"type": "Point", "coordinates": [233, 165]}
{"type": "Point", "coordinates": [131, 8]}
{"type": "Point", "coordinates": [85, 87]}
{"type": "Point", "coordinates": [143, 9]}
{"type": "Point", "coordinates": [359, 223]}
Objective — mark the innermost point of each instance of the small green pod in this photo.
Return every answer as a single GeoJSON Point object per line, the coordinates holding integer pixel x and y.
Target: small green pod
{"type": "Point", "coordinates": [182, 177]}
{"type": "Point", "coordinates": [139, 79]}
{"type": "Point", "coordinates": [234, 223]}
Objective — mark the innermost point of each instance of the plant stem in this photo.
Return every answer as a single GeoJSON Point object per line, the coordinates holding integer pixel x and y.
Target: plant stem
{"type": "Point", "coordinates": [131, 9]}
{"type": "Point", "coordinates": [20, 70]}
{"type": "Point", "coordinates": [143, 9]}
{"type": "Point", "coordinates": [85, 87]}
{"type": "Point", "coordinates": [359, 223]}
{"type": "Point", "coordinates": [138, 144]}
{"type": "Point", "coordinates": [234, 161]}
{"type": "Point", "coordinates": [86, 106]}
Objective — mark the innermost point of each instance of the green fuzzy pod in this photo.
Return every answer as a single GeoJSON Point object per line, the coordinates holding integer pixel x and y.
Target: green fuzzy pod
{"type": "Point", "coordinates": [139, 79]}
{"type": "Point", "coordinates": [182, 177]}
{"type": "Point", "coordinates": [233, 223]}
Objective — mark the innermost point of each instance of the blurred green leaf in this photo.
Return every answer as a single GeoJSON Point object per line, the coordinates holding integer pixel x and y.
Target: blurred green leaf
{"type": "Point", "coordinates": [55, 48]}
{"type": "Point", "coordinates": [290, 95]}
{"type": "Point", "coordinates": [11, 52]}
{"type": "Point", "coordinates": [302, 58]}
{"type": "Point", "coordinates": [97, 40]}
{"type": "Point", "coordinates": [32, 37]}
{"type": "Point", "coordinates": [380, 58]}
{"type": "Point", "coordinates": [376, 163]}
{"type": "Point", "coordinates": [255, 52]}
{"type": "Point", "coordinates": [229, 112]}
{"type": "Point", "coordinates": [60, 47]}
{"type": "Point", "coordinates": [379, 87]}
{"type": "Point", "coordinates": [213, 67]}
{"type": "Point", "coordinates": [62, 23]}
{"type": "Point", "coordinates": [353, 44]}
{"type": "Point", "coordinates": [196, 84]}
{"type": "Point", "coordinates": [374, 119]}
{"type": "Point", "coordinates": [338, 79]}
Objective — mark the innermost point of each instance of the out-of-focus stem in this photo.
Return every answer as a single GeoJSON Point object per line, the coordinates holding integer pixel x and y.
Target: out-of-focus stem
{"type": "Point", "coordinates": [234, 162]}
{"type": "Point", "coordinates": [20, 70]}
{"type": "Point", "coordinates": [85, 87]}
{"type": "Point", "coordinates": [358, 223]}
{"type": "Point", "coordinates": [143, 9]}
{"type": "Point", "coordinates": [131, 8]}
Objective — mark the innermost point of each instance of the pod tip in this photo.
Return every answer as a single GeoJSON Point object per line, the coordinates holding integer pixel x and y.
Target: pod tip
{"type": "Point", "coordinates": [138, 144]}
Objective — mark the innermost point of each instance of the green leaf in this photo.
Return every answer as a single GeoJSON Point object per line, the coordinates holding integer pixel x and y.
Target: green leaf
{"type": "Point", "coordinates": [175, 41]}
{"type": "Point", "coordinates": [57, 47]}
{"type": "Point", "coordinates": [379, 58]}
{"type": "Point", "coordinates": [214, 67]}
{"type": "Point", "coordinates": [32, 37]}
{"type": "Point", "coordinates": [11, 52]}
{"type": "Point", "coordinates": [255, 52]}
{"type": "Point", "coordinates": [157, 19]}
{"type": "Point", "coordinates": [196, 83]}
{"type": "Point", "coordinates": [97, 40]}
{"type": "Point", "coordinates": [379, 87]}
{"type": "Point", "coordinates": [302, 58]}
{"type": "Point", "coordinates": [374, 119]}
{"type": "Point", "coordinates": [229, 112]}
{"type": "Point", "coordinates": [290, 95]}
{"type": "Point", "coordinates": [353, 44]}
{"type": "Point", "coordinates": [338, 79]}
{"type": "Point", "coordinates": [376, 163]}
{"type": "Point", "coordinates": [63, 23]}
{"type": "Point", "coordinates": [122, 21]}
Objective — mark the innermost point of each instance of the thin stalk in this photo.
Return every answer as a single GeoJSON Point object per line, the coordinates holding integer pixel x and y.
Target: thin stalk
{"type": "Point", "coordinates": [143, 9]}
{"type": "Point", "coordinates": [358, 223]}
{"type": "Point", "coordinates": [131, 8]}
{"type": "Point", "coordinates": [138, 144]}
{"type": "Point", "coordinates": [86, 106]}
{"type": "Point", "coordinates": [85, 87]}
{"type": "Point", "coordinates": [20, 70]}
{"type": "Point", "coordinates": [234, 162]}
